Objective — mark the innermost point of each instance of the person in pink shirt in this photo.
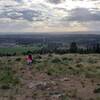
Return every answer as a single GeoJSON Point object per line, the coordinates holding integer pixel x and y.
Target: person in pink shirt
{"type": "Point", "coordinates": [29, 59]}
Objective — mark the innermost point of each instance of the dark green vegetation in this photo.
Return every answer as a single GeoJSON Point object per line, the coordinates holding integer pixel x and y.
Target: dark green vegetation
{"type": "Point", "coordinates": [12, 45]}
{"type": "Point", "coordinates": [19, 50]}
{"type": "Point", "coordinates": [45, 49]}
{"type": "Point", "coordinates": [50, 77]}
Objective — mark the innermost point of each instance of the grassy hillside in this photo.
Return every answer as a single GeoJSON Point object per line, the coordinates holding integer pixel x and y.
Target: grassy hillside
{"type": "Point", "coordinates": [50, 77]}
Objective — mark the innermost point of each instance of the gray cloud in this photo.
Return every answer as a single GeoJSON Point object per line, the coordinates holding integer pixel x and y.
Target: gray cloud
{"type": "Point", "coordinates": [56, 1]}
{"type": "Point", "coordinates": [26, 14]}
{"type": "Point", "coordinates": [83, 15]}
{"type": "Point", "coordinates": [49, 13]}
{"type": "Point", "coordinates": [31, 15]}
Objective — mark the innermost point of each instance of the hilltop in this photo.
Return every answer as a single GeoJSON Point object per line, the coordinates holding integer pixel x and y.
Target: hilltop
{"type": "Point", "coordinates": [50, 77]}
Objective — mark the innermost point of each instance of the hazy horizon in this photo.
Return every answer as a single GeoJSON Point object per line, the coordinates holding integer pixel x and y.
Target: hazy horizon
{"type": "Point", "coordinates": [53, 33]}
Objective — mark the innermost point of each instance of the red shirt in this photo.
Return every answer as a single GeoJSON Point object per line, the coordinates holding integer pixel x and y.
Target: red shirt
{"type": "Point", "coordinates": [29, 58]}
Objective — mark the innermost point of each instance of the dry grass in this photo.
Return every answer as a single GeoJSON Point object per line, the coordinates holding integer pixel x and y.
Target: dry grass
{"type": "Point", "coordinates": [50, 77]}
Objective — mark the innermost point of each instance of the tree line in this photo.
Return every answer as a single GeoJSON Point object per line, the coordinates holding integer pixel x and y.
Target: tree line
{"type": "Point", "coordinates": [93, 49]}
{"type": "Point", "coordinates": [73, 48]}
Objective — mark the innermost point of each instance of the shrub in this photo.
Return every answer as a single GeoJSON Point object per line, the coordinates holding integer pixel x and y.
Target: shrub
{"type": "Point", "coordinates": [79, 65]}
{"type": "Point", "coordinates": [38, 57]}
{"type": "Point", "coordinates": [56, 70]}
{"type": "Point", "coordinates": [18, 59]}
{"type": "Point", "coordinates": [50, 55]}
{"type": "Point", "coordinates": [66, 60]}
{"type": "Point", "coordinates": [7, 78]}
{"type": "Point", "coordinates": [97, 90]}
{"type": "Point", "coordinates": [92, 61]}
{"type": "Point", "coordinates": [56, 60]}
{"type": "Point", "coordinates": [9, 60]}
{"type": "Point", "coordinates": [65, 97]}
{"type": "Point", "coordinates": [40, 66]}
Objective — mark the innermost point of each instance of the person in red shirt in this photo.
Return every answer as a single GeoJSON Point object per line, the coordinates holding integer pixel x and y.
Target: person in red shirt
{"type": "Point", "coordinates": [29, 59]}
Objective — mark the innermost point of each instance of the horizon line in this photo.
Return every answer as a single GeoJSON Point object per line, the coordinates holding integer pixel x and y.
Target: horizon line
{"type": "Point", "coordinates": [49, 33]}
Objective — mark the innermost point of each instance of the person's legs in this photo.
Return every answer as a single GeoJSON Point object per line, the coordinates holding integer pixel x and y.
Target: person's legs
{"type": "Point", "coordinates": [30, 62]}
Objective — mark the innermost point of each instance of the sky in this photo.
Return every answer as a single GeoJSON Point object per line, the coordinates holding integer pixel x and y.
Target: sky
{"type": "Point", "coordinates": [49, 15]}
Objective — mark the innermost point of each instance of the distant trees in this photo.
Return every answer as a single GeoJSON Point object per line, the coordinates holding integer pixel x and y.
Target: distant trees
{"type": "Point", "coordinates": [73, 47]}
{"type": "Point", "coordinates": [8, 54]}
{"type": "Point", "coordinates": [97, 48]}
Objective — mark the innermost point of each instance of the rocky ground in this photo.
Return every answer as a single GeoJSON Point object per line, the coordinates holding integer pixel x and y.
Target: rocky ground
{"type": "Point", "coordinates": [39, 82]}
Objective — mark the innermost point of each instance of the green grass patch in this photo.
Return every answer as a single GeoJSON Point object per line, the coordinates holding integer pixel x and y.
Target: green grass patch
{"type": "Point", "coordinates": [7, 78]}
{"type": "Point", "coordinates": [56, 70]}
{"type": "Point", "coordinates": [56, 60]}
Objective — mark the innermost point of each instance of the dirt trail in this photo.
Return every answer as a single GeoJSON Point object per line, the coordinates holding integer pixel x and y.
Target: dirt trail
{"type": "Point", "coordinates": [40, 86]}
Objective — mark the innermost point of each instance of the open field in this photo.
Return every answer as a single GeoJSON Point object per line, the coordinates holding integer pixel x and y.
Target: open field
{"type": "Point", "coordinates": [19, 50]}
{"type": "Point", "coordinates": [50, 77]}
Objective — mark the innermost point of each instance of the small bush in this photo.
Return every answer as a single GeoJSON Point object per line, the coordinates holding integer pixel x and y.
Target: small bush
{"type": "Point", "coordinates": [64, 58]}
{"type": "Point", "coordinates": [89, 74]}
{"type": "Point", "coordinates": [79, 65]}
{"type": "Point", "coordinates": [5, 87]}
{"type": "Point", "coordinates": [7, 78]}
{"type": "Point", "coordinates": [67, 58]}
{"type": "Point", "coordinates": [38, 57]}
{"type": "Point", "coordinates": [34, 61]}
{"type": "Point", "coordinates": [92, 61]}
{"type": "Point", "coordinates": [9, 60]}
{"type": "Point", "coordinates": [50, 55]}
{"type": "Point", "coordinates": [56, 70]}
{"type": "Point", "coordinates": [65, 97]}
{"type": "Point", "coordinates": [18, 59]}
{"type": "Point", "coordinates": [65, 61]}
{"type": "Point", "coordinates": [40, 66]}
{"type": "Point", "coordinates": [97, 90]}
{"type": "Point", "coordinates": [56, 60]}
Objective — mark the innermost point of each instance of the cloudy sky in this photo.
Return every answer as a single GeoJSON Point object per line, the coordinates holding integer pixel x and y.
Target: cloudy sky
{"type": "Point", "coordinates": [49, 15]}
